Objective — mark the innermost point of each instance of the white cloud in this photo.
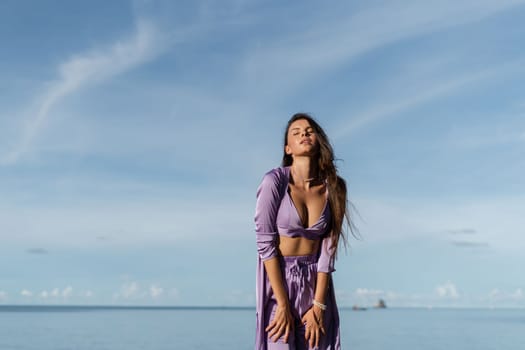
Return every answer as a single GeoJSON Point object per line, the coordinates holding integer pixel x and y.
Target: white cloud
{"type": "Point", "coordinates": [129, 290]}
{"type": "Point", "coordinates": [56, 293]}
{"type": "Point", "coordinates": [364, 292]}
{"type": "Point", "coordinates": [444, 295]}
{"type": "Point", "coordinates": [67, 292]}
{"type": "Point", "coordinates": [447, 290]}
{"type": "Point", "coordinates": [26, 293]}
{"type": "Point", "coordinates": [88, 68]}
{"type": "Point", "coordinates": [364, 297]}
{"type": "Point", "coordinates": [3, 295]}
{"type": "Point", "coordinates": [498, 295]}
{"type": "Point", "coordinates": [155, 291]}
{"type": "Point", "coordinates": [494, 293]}
{"type": "Point", "coordinates": [88, 294]}
{"type": "Point", "coordinates": [133, 290]}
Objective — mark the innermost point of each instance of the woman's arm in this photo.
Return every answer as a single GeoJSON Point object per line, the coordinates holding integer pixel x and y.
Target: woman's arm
{"type": "Point", "coordinates": [266, 208]}
{"type": "Point", "coordinates": [283, 320]}
{"type": "Point", "coordinates": [268, 202]}
{"type": "Point", "coordinates": [323, 279]}
{"type": "Point", "coordinates": [314, 317]}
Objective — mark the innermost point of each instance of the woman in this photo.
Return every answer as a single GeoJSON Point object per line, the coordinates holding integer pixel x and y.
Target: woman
{"type": "Point", "coordinates": [298, 221]}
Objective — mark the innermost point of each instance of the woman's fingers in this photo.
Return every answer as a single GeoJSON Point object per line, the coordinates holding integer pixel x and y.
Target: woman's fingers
{"type": "Point", "coordinates": [270, 326]}
{"type": "Point", "coordinates": [321, 324]}
{"type": "Point", "coordinates": [286, 334]}
{"type": "Point", "coordinates": [278, 328]}
{"type": "Point", "coordinates": [282, 325]}
{"type": "Point", "coordinates": [307, 332]}
{"type": "Point", "coordinates": [276, 332]}
{"type": "Point", "coordinates": [312, 335]}
{"type": "Point", "coordinates": [313, 328]}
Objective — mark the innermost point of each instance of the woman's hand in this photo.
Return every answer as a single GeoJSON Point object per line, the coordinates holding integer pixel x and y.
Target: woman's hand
{"type": "Point", "coordinates": [282, 323]}
{"type": "Point", "coordinates": [313, 321]}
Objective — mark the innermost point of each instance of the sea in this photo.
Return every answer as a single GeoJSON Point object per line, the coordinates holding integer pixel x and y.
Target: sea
{"type": "Point", "coordinates": [217, 328]}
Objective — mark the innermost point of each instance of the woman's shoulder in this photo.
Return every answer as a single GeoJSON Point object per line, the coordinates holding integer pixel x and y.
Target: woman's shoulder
{"type": "Point", "coordinates": [275, 177]}
{"type": "Point", "coordinates": [276, 174]}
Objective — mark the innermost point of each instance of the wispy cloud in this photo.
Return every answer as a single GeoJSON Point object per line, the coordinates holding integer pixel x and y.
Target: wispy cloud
{"type": "Point", "coordinates": [37, 251]}
{"type": "Point", "coordinates": [498, 295]}
{"type": "Point", "coordinates": [470, 244]}
{"type": "Point", "coordinates": [133, 290]}
{"type": "Point", "coordinates": [319, 47]}
{"type": "Point", "coordinates": [489, 135]}
{"type": "Point", "coordinates": [444, 295]}
{"type": "Point", "coordinates": [462, 231]}
{"type": "Point", "coordinates": [491, 217]}
{"type": "Point", "coordinates": [84, 69]}
{"type": "Point", "coordinates": [309, 52]}
{"type": "Point", "coordinates": [151, 220]}
{"type": "Point", "coordinates": [426, 92]}
{"type": "Point", "coordinates": [3, 295]}
{"type": "Point", "coordinates": [464, 243]}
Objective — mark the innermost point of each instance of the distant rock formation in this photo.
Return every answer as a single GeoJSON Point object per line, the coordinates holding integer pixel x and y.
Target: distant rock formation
{"type": "Point", "coordinates": [380, 304]}
{"type": "Point", "coordinates": [358, 308]}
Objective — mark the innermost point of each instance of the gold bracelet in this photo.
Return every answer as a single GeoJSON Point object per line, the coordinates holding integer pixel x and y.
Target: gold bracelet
{"type": "Point", "coordinates": [319, 305]}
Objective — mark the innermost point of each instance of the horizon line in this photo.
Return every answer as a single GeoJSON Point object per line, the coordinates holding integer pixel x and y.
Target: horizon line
{"type": "Point", "coordinates": [73, 307]}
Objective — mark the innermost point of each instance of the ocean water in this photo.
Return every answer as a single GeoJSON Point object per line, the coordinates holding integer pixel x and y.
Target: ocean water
{"type": "Point", "coordinates": [100, 328]}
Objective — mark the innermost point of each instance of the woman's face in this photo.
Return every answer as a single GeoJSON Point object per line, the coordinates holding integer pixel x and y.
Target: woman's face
{"type": "Point", "coordinates": [302, 139]}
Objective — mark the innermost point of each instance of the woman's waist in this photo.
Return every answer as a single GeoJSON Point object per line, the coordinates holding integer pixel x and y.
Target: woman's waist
{"type": "Point", "coordinates": [298, 246]}
{"type": "Point", "coordinates": [301, 232]}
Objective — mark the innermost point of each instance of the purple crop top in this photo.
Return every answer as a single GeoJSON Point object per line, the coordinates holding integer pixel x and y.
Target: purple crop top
{"type": "Point", "coordinates": [276, 214]}
{"type": "Point", "coordinates": [289, 223]}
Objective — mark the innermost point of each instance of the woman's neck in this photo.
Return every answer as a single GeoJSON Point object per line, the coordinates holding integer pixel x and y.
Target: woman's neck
{"type": "Point", "coordinates": [304, 171]}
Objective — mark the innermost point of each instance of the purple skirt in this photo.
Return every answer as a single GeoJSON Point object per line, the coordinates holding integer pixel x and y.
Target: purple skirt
{"type": "Point", "coordinates": [299, 276]}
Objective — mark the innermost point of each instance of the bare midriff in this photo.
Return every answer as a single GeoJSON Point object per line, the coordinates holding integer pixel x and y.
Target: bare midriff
{"type": "Point", "coordinates": [297, 246]}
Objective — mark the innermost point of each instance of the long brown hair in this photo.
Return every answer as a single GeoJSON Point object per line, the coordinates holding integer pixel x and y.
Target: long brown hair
{"type": "Point", "coordinates": [327, 170]}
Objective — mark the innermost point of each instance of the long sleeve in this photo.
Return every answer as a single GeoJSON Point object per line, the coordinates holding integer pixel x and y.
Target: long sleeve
{"type": "Point", "coordinates": [269, 196]}
{"type": "Point", "coordinates": [268, 202]}
{"type": "Point", "coordinates": [325, 263]}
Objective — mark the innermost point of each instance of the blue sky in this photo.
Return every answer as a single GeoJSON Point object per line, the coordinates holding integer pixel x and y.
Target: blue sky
{"type": "Point", "coordinates": [133, 135]}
